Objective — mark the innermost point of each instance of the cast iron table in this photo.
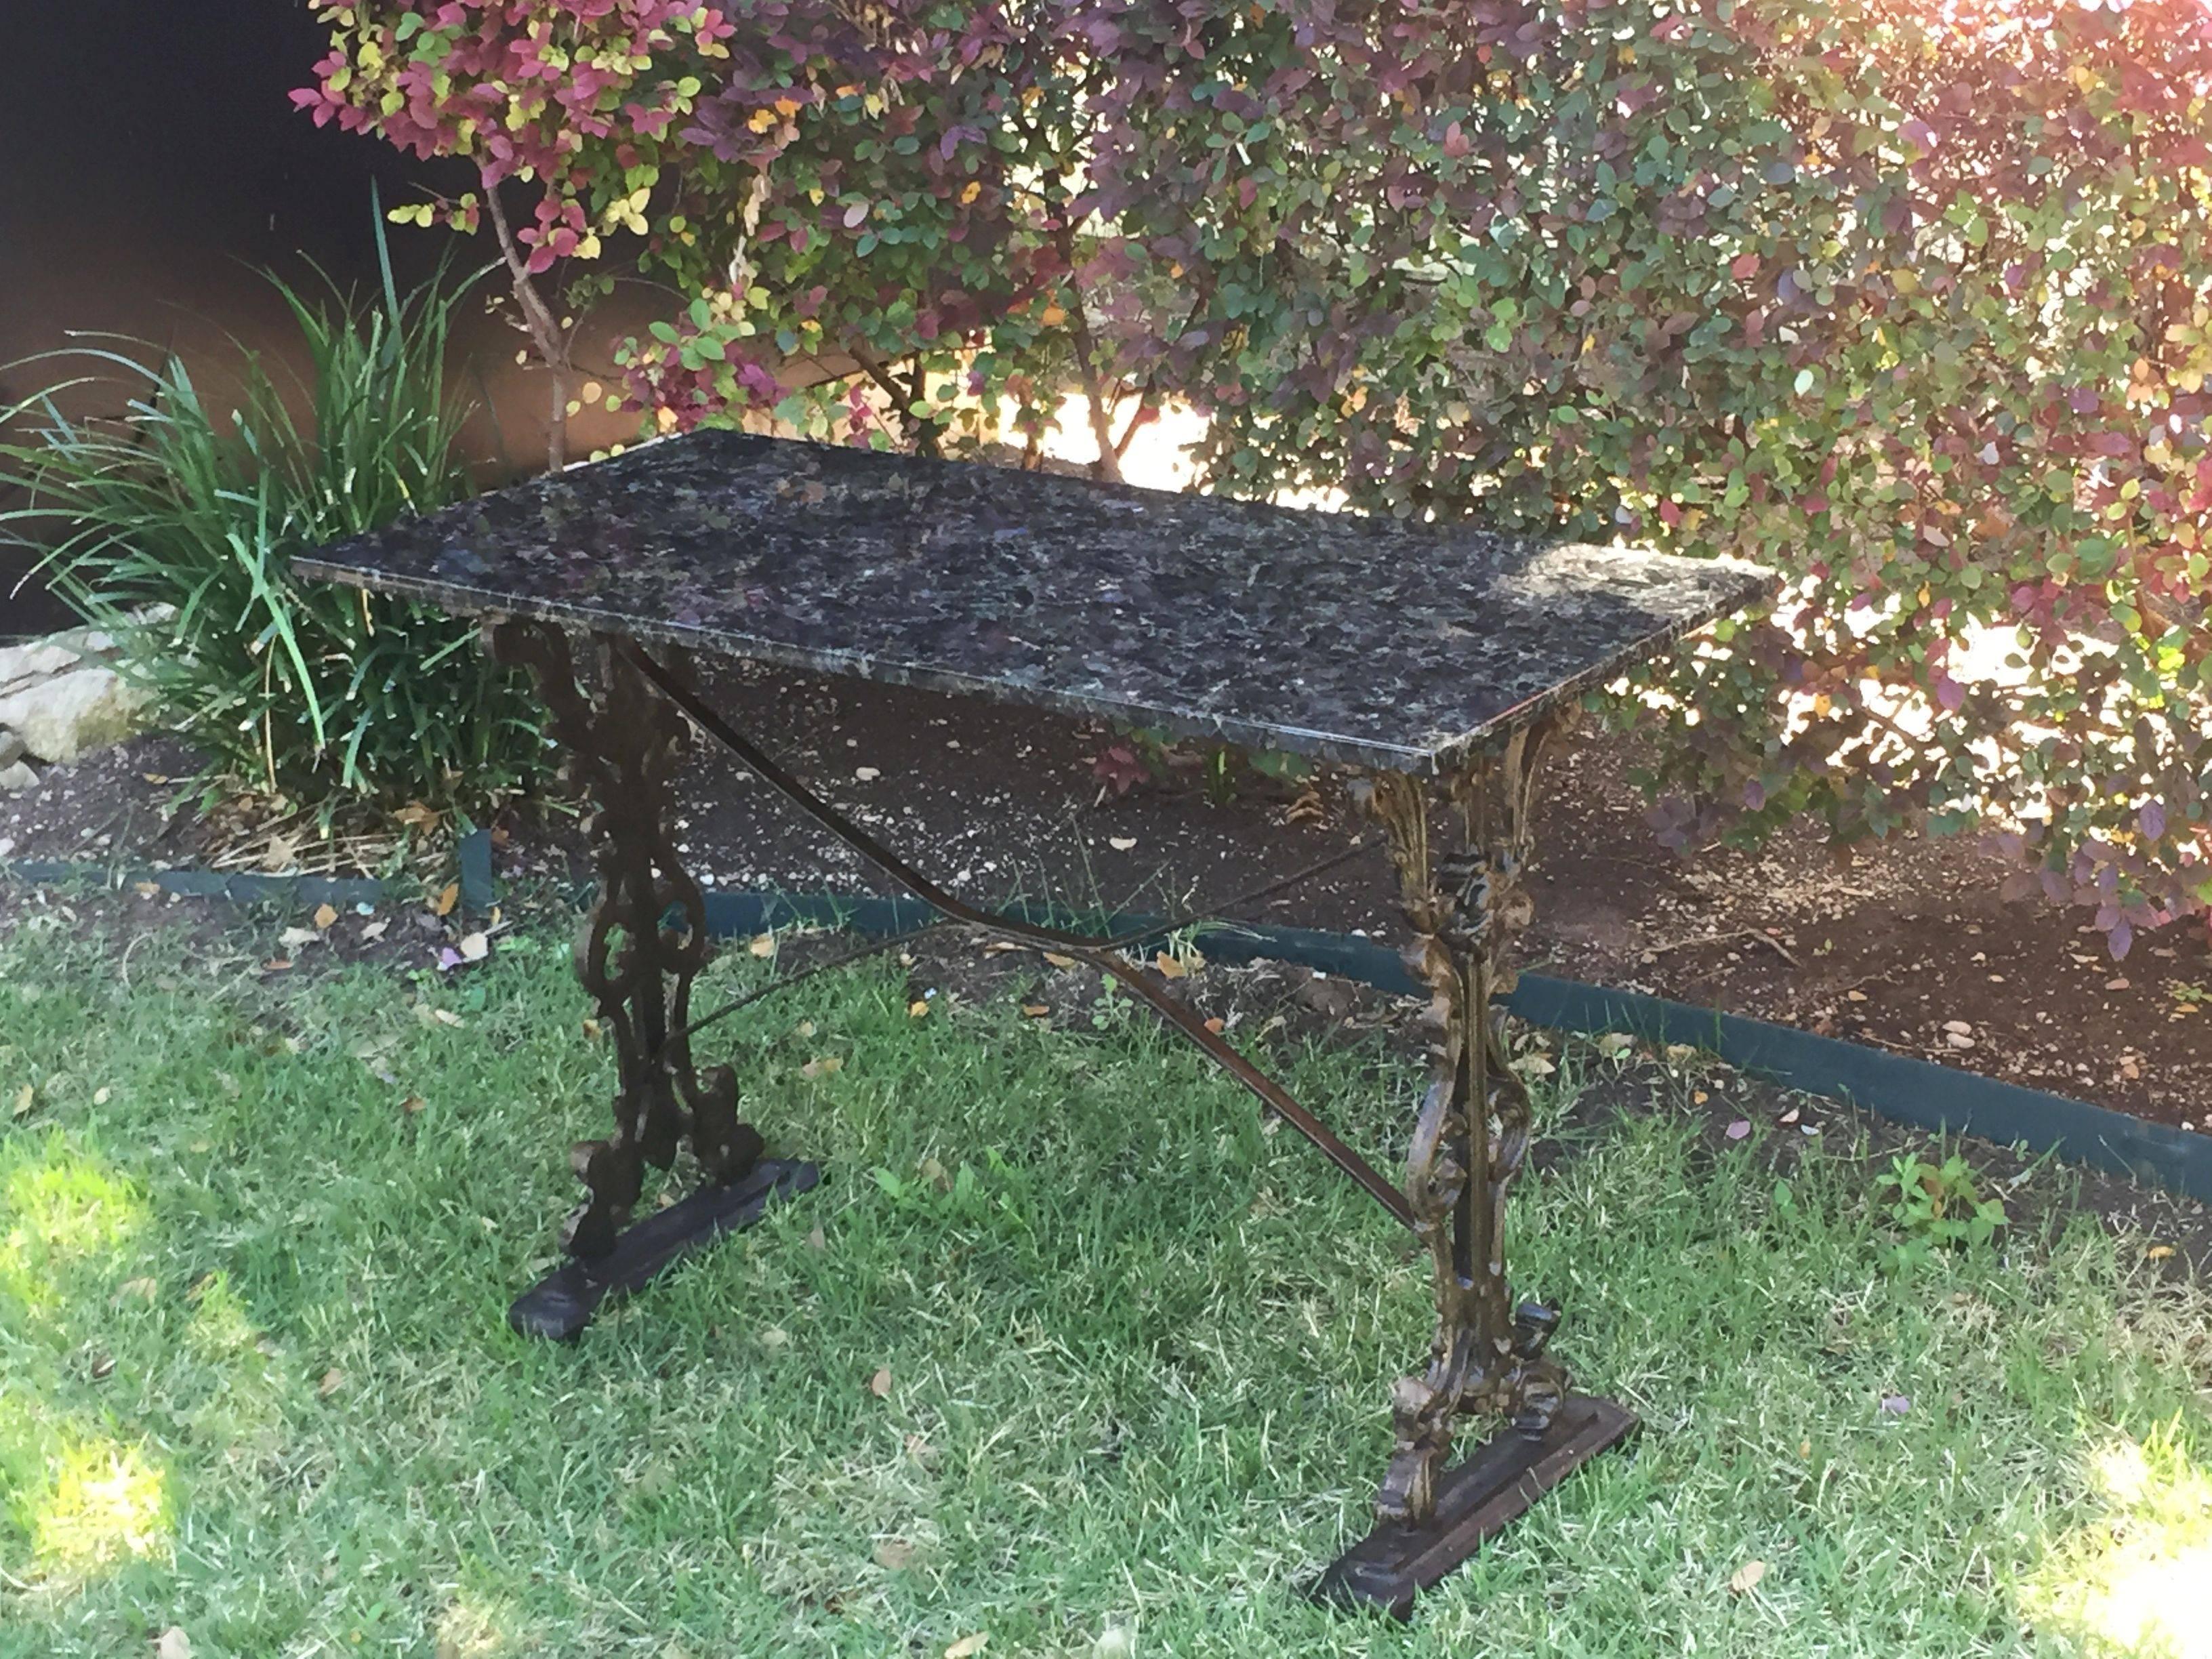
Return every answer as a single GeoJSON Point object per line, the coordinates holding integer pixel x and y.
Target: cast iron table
{"type": "Point", "coordinates": [1433, 659]}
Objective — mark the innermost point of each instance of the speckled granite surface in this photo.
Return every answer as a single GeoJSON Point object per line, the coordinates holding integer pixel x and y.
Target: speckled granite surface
{"type": "Point", "coordinates": [1358, 638]}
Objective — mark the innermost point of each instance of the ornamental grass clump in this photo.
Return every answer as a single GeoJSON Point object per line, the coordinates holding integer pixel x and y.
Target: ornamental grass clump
{"type": "Point", "coordinates": [174, 526]}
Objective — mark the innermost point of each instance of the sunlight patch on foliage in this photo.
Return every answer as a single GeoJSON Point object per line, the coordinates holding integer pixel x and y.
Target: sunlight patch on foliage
{"type": "Point", "coordinates": [99, 1500]}
{"type": "Point", "coordinates": [2137, 1579]}
{"type": "Point", "coordinates": [60, 1208]}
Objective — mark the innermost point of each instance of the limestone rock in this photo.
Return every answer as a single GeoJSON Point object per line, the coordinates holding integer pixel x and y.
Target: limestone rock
{"type": "Point", "coordinates": [62, 718]}
{"type": "Point", "coordinates": [11, 747]}
{"type": "Point", "coordinates": [40, 659]}
{"type": "Point", "coordinates": [16, 776]}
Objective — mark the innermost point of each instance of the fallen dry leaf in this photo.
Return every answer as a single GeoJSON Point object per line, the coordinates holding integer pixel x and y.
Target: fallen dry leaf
{"type": "Point", "coordinates": [374, 930]}
{"type": "Point", "coordinates": [2159, 1252]}
{"type": "Point", "coordinates": [894, 1553]}
{"type": "Point", "coordinates": [147, 889]}
{"type": "Point", "coordinates": [475, 947]}
{"type": "Point", "coordinates": [413, 1104]}
{"type": "Point", "coordinates": [415, 816]}
{"type": "Point", "coordinates": [917, 1008]}
{"type": "Point", "coordinates": [1855, 996]}
{"type": "Point", "coordinates": [1036, 1010]}
{"type": "Point", "coordinates": [448, 897]}
{"type": "Point", "coordinates": [1615, 1042]}
{"type": "Point", "coordinates": [173, 1644]}
{"type": "Point", "coordinates": [1789, 1116]}
{"type": "Point", "coordinates": [293, 937]}
{"type": "Point", "coordinates": [325, 915]}
{"type": "Point", "coordinates": [1121, 843]}
{"type": "Point", "coordinates": [880, 1384]}
{"type": "Point", "coordinates": [445, 1017]}
{"type": "Point", "coordinates": [277, 965]}
{"type": "Point", "coordinates": [822, 1065]}
{"type": "Point", "coordinates": [23, 1099]}
{"type": "Point", "coordinates": [101, 1095]}
{"type": "Point", "coordinates": [1699, 1097]}
{"type": "Point", "coordinates": [818, 1240]}
{"type": "Point", "coordinates": [333, 1380]}
{"type": "Point", "coordinates": [968, 1646]}
{"type": "Point", "coordinates": [1216, 1025]}
{"type": "Point", "coordinates": [1168, 967]}
{"type": "Point", "coordinates": [144, 1289]}
{"type": "Point", "coordinates": [2120, 983]}
{"type": "Point", "coordinates": [1745, 1579]}
{"type": "Point", "coordinates": [1058, 960]}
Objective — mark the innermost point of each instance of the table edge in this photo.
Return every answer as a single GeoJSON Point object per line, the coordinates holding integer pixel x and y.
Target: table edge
{"type": "Point", "coordinates": [1442, 757]}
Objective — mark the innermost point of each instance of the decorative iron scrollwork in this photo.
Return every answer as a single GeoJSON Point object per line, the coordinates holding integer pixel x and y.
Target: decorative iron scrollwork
{"type": "Point", "coordinates": [1472, 1132]}
{"type": "Point", "coordinates": [645, 938]}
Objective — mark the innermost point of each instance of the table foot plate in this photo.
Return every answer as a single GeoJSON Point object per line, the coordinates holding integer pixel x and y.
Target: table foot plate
{"type": "Point", "coordinates": [1497, 1484]}
{"type": "Point", "coordinates": [562, 1303]}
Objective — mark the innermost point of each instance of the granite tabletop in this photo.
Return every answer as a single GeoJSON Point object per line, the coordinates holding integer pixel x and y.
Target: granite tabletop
{"type": "Point", "coordinates": [1358, 638]}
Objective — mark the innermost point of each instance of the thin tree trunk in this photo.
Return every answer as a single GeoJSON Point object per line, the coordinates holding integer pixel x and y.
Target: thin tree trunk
{"type": "Point", "coordinates": [544, 332]}
{"type": "Point", "coordinates": [1107, 466]}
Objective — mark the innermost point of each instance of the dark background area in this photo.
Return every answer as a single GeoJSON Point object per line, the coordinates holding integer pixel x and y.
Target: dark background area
{"type": "Point", "coordinates": [153, 166]}
{"type": "Point", "coordinates": [150, 164]}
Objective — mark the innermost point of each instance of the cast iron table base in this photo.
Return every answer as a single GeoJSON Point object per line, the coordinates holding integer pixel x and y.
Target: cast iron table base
{"type": "Point", "coordinates": [1476, 1499]}
{"type": "Point", "coordinates": [558, 1306]}
{"type": "Point", "coordinates": [644, 941]}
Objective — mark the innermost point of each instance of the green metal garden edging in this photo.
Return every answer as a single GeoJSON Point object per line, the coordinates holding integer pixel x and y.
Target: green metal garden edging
{"type": "Point", "coordinates": [240, 887]}
{"type": "Point", "coordinates": [1898, 1087]}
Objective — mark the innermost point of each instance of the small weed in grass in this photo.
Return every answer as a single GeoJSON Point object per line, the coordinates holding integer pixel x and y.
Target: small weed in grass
{"type": "Point", "coordinates": [1067, 1352]}
{"type": "Point", "coordinates": [1937, 1206]}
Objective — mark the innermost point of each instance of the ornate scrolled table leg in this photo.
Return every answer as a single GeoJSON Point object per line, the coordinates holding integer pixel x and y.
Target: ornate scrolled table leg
{"type": "Point", "coordinates": [1488, 1357]}
{"type": "Point", "coordinates": [638, 950]}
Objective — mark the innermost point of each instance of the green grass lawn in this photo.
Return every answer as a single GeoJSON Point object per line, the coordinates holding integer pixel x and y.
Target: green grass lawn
{"type": "Point", "coordinates": [257, 1239]}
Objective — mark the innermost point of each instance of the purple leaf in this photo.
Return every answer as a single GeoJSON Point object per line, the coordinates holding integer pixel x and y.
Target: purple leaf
{"type": "Point", "coordinates": [1897, 1404]}
{"type": "Point", "coordinates": [1739, 1129]}
{"type": "Point", "coordinates": [2151, 821]}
